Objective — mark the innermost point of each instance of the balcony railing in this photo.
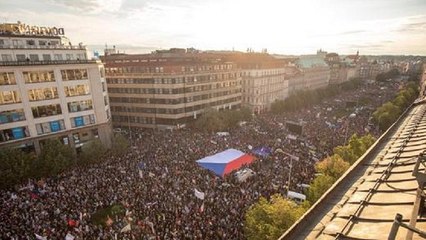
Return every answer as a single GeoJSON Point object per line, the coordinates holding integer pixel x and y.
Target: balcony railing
{"type": "Point", "coordinates": [50, 47]}
{"type": "Point", "coordinates": [52, 62]}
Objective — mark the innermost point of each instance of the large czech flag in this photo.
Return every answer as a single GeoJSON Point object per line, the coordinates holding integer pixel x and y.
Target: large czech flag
{"type": "Point", "coordinates": [225, 162]}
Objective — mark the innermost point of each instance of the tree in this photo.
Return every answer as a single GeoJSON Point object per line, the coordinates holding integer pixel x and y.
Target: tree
{"type": "Point", "coordinates": [386, 115]}
{"type": "Point", "coordinates": [92, 152]}
{"type": "Point", "coordinates": [318, 187]}
{"type": "Point", "coordinates": [355, 149]}
{"type": "Point", "coordinates": [54, 158]}
{"type": "Point", "coordinates": [269, 219]}
{"type": "Point", "coordinates": [15, 166]}
{"type": "Point", "coordinates": [333, 166]}
{"type": "Point", "coordinates": [119, 144]}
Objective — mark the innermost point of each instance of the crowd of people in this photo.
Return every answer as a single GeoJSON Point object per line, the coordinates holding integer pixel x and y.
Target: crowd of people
{"type": "Point", "coordinates": [156, 178]}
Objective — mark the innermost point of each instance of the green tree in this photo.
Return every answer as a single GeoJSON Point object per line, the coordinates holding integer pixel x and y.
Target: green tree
{"type": "Point", "coordinates": [333, 166]}
{"type": "Point", "coordinates": [92, 152]}
{"type": "Point", "coordinates": [318, 187]}
{"type": "Point", "coordinates": [269, 219]}
{"type": "Point", "coordinates": [120, 144]}
{"type": "Point", "coordinates": [54, 158]}
{"type": "Point", "coordinates": [355, 149]}
{"type": "Point", "coordinates": [15, 166]}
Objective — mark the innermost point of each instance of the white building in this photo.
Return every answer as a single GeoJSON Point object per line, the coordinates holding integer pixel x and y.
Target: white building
{"type": "Point", "coordinates": [262, 87]}
{"type": "Point", "coordinates": [49, 89]}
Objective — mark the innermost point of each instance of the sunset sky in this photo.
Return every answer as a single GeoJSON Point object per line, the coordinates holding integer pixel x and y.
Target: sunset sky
{"type": "Point", "coordinates": [281, 26]}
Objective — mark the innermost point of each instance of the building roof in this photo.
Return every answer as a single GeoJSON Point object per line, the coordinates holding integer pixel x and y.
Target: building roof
{"type": "Point", "coordinates": [310, 61]}
{"type": "Point", "coordinates": [363, 203]}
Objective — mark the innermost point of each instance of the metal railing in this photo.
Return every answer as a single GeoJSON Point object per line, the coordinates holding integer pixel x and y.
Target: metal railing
{"type": "Point", "coordinates": [399, 223]}
{"type": "Point", "coordinates": [50, 47]}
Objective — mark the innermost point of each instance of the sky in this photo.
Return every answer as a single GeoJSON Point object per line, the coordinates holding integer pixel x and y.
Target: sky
{"type": "Point", "coordinates": [374, 27]}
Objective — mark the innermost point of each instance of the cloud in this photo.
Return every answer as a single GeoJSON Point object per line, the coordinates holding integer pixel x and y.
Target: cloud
{"type": "Point", "coordinates": [414, 24]}
{"type": "Point", "coordinates": [89, 6]}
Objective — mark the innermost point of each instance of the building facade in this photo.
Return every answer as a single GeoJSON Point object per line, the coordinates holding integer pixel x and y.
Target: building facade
{"type": "Point", "coordinates": [263, 79]}
{"type": "Point", "coordinates": [49, 89]}
{"type": "Point", "coordinates": [312, 73]}
{"type": "Point", "coordinates": [166, 89]}
{"type": "Point", "coordinates": [262, 87]}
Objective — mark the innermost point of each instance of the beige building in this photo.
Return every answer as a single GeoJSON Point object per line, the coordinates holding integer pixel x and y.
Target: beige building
{"type": "Point", "coordinates": [315, 71]}
{"type": "Point", "coordinates": [263, 79]}
{"type": "Point", "coordinates": [49, 89]}
{"type": "Point", "coordinates": [262, 87]}
{"type": "Point", "coordinates": [166, 89]}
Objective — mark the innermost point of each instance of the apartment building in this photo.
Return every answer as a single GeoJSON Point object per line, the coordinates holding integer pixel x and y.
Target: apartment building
{"type": "Point", "coordinates": [168, 88]}
{"type": "Point", "coordinates": [263, 79]}
{"type": "Point", "coordinates": [49, 89]}
{"type": "Point", "coordinates": [316, 72]}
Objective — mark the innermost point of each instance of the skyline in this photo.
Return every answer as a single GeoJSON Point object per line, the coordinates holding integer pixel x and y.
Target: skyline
{"type": "Point", "coordinates": [380, 27]}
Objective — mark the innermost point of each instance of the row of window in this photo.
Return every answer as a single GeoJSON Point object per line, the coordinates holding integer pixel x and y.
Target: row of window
{"type": "Point", "coordinates": [178, 80]}
{"type": "Point", "coordinates": [45, 128]}
{"type": "Point", "coordinates": [8, 78]}
{"type": "Point", "coordinates": [175, 100]}
{"type": "Point", "coordinates": [10, 97]}
{"type": "Point", "coordinates": [173, 111]}
{"type": "Point", "coordinates": [42, 57]}
{"type": "Point", "coordinates": [197, 88]}
{"type": "Point", "coordinates": [59, 125]}
{"type": "Point", "coordinates": [30, 42]}
{"type": "Point", "coordinates": [124, 120]}
{"type": "Point", "coordinates": [140, 69]}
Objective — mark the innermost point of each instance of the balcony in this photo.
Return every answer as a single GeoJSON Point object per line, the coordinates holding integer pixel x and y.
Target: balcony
{"type": "Point", "coordinates": [52, 62]}
{"type": "Point", "coordinates": [49, 47]}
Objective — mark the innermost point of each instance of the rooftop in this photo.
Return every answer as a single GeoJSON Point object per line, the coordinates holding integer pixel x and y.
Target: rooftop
{"type": "Point", "coordinates": [363, 203]}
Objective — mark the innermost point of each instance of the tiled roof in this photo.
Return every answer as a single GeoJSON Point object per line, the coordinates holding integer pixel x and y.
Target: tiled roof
{"type": "Point", "coordinates": [363, 203]}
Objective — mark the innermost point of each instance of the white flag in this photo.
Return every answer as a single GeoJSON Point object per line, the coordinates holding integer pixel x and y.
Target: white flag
{"type": "Point", "coordinates": [69, 237]}
{"type": "Point", "coordinates": [199, 194]}
{"type": "Point", "coordinates": [38, 237]}
{"type": "Point", "coordinates": [126, 228]}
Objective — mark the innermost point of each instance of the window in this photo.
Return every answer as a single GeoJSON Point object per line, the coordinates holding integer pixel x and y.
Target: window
{"type": "Point", "coordinates": [9, 97]}
{"type": "Point", "coordinates": [106, 100]}
{"type": "Point", "coordinates": [13, 134]}
{"type": "Point", "coordinates": [7, 78]}
{"type": "Point", "coordinates": [20, 57]}
{"type": "Point", "coordinates": [82, 120]}
{"type": "Point", "coordinates": [74, 74]}
{"type": "Point", "coordinates": [6, 57]}
{"type": "Point", "coordinates": [49, 127]}
{"type": "Point", "coordinates": [43, 94]}
{"type": "Point", "coordinates": [77, 90]}
{"type": "Point", "coordinates": [1, 42]}
{"type": "Point", "coordinates": [103, 87]}
{"type": "Point", "coordinates": [16, 42]}
{"type": "Point", "coordinates": [80, 106]}
{"type": "Point", "coordinates": [34, 57]}
{"type": "Point", "coordinates": [81, 56]}
{"type": "Point", "coordinates": [69, 57]}
{"type": "Point", "coordinates": [36, 77]}
{"type": "Point", "coordinates": [12, 116]}
{"type": "Point", "coordinates": [42, 43]}
{"type": "Point", "coordinates": [30, 42]}
{"type": "Point", "coordinates": [58, 57]}
{"type": "Point", "coordinates": [47, 57]}
{"type": "Point", "coordinates": [46, 110]}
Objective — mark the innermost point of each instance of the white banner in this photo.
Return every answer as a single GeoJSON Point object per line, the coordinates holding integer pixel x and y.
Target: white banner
{"type": "Point", "coordinates": [199, 194]}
